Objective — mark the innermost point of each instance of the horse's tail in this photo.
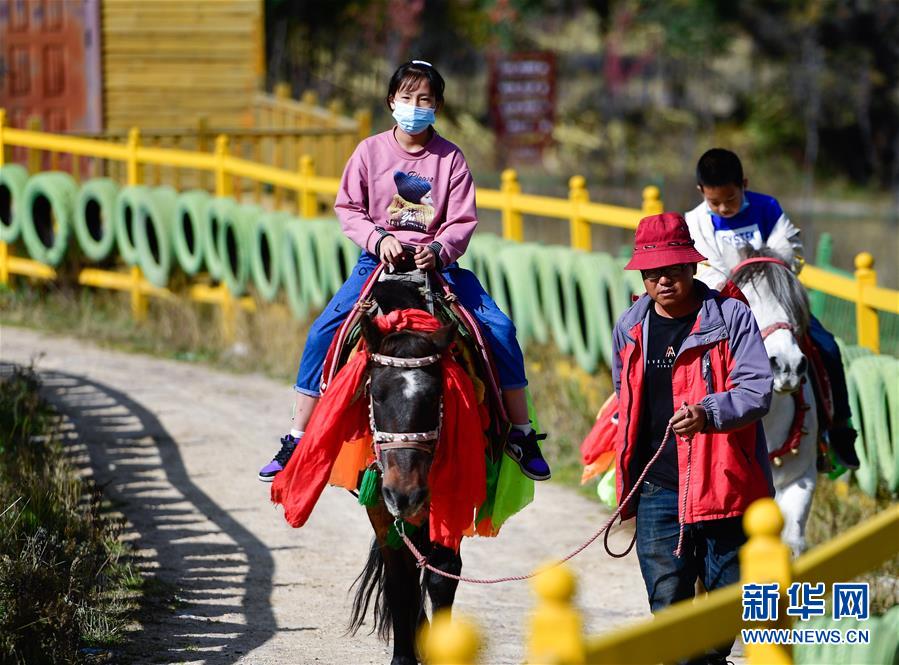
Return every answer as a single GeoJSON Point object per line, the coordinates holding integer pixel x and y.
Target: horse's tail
{"type": "Point", "coordinates": [371, 581]}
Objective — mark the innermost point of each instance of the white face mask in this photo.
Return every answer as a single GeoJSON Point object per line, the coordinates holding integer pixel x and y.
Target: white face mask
{"type": "Point", "coordinates": [412, 119]}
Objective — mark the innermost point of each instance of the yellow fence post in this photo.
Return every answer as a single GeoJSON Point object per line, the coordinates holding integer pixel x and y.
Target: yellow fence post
{"type": "Point", "coordinates": [2, 143]}
{"type": "Point", "coordinates": [363, 122]}
{"type": "Point", "coordinates": [556, 626]}
{"type": "Point", "coordinates": [652, 201]}
{"type": "Point", "coordinates": [282, 90]}
{"type": "Point", "coordinates": [512, 224]}
{"type": "Point", "coordinates": [866, 321]}
{"type": "Point", "coordinates": [223, 188]}
{"type": "Point", "coordinates": [580, 227]}
{"type": "Point", "coordinates": [138, 299]}
{"type": "Point", "coordinates": [450, 640]}
{"type": "Point", "coordinates": [307, 204]}
{"type": "Point", "coordinates": [4, 263]}
{"type": "Point", "coordinates": [133, 175]}
{"type": "Point", "coordinates": [309, 97]}
{"type": "Point", "coordinates": [764, 558]}
{"type": "Point", "coordinates": [34, 156]}
{"type": "Point", "coordinates": [222, 182]}
{"type": "Point", "coordinates": [229, 314]}
{"type": "Point", "coordinates": [133, 171]}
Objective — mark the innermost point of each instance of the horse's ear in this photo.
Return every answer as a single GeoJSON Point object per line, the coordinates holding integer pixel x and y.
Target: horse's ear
{"type": "Point", "coordinates": [443, 337]}
{"type": "Point", "coordinates": [371, 334]}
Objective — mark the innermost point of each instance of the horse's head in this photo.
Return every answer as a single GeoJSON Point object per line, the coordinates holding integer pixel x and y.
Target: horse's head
{"type": "Point", "coordinates": [406, 410]}
{"type": "Point", "coordinates": [781, 307]}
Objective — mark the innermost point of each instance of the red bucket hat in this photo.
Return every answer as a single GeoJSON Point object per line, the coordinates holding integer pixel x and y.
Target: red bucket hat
{"type": "Point", "coordinates": [663, 240]}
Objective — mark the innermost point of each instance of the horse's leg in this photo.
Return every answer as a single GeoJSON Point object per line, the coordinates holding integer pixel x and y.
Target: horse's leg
{"type": "Point", "coordinates": [795, 502]}
{"type": "Point", "coordinates": [402, 589]}
{"type": "Point", "coordinates": [442, 590]}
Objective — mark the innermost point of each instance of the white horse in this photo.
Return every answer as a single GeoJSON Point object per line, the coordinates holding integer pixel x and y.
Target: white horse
{"type": "Point", "coordinates": [781, 308]}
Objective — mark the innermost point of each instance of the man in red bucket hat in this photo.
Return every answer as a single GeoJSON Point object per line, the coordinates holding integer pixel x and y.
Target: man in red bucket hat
{"type": "Point", "coordinates": [693, 381]}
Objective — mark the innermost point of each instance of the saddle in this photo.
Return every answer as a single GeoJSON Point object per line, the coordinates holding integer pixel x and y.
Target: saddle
{"type": "Point", "coordinates": [470, 350]}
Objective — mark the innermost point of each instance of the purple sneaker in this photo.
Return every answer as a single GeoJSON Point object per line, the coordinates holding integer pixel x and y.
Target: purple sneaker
{"type": "Point", "coordinates": [269, 471]}
{"type": "Point", "coordinates": [523, 448]}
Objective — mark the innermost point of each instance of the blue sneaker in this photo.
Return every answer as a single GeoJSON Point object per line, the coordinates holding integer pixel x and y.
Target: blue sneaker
{"type": "Point", "coordinates": [523, 448]}
{"type": "Point", "coordinates": [269, 471]}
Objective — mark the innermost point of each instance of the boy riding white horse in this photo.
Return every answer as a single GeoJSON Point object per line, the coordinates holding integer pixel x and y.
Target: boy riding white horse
{"type": "Point", "coordinates": [732, 219]}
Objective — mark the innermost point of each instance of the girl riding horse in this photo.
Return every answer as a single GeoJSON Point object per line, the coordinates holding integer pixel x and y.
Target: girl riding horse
{"type": "Point", "coordinates": [410, 186]}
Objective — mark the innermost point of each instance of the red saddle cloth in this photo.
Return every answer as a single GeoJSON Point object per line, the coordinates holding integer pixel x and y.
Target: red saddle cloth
{"type": "Point", "coordinates": [458, 474]}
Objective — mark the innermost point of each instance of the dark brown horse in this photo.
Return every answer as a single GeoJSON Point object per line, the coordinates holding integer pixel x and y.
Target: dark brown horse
{"type": "Point", "coordinates": [404, 399]}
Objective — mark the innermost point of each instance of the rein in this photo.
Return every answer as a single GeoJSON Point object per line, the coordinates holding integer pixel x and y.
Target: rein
{"type": "Point", "coordinates": [758, 259]}
{"type": "Point", "coordinates": [421, 560]}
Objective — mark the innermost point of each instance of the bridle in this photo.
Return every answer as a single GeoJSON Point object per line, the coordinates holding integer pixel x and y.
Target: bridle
{"type": "Point", "coordinates": [423, 441]}
{"type": "Point", "coordinates": [779, 325]}
{"type": "Point", "coordinates": [800, 406]}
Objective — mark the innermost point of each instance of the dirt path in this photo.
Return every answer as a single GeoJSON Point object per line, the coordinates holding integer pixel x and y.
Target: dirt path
{"type": "Point", "coordinates": [180, 445]}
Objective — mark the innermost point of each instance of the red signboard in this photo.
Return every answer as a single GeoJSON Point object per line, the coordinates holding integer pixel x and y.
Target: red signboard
{"type": "Point", "coordinates": [523, 103]}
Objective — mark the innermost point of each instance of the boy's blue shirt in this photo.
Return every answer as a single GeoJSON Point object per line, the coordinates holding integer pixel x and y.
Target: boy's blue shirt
{"type": "Point", "coordinates": [759, 217]}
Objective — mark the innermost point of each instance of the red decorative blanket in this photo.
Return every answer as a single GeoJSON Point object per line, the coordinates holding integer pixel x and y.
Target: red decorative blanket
{"type": "Point", "coordinates": [458, 478]}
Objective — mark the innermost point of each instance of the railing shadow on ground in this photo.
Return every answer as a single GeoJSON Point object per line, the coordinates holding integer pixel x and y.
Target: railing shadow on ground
{"type": "Point", "coordinates": [220, 573]}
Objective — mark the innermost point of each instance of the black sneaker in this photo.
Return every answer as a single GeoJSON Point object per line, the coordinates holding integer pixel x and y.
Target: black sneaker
{"type": "Point", "coordinates": [841, 440]}
{"type": "Point", "coordinates": [523, 448]}
{"type": "Point", "coordinates": [269, 471]}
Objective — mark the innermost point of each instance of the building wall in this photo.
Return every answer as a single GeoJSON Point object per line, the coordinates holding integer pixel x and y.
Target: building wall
{"type": "Point", "coordinates": [50, 63]}
{"type": "Point", "coordinates": [168, 62]}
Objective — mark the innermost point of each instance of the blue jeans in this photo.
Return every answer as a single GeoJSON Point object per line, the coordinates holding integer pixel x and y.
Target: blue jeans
{"type": "Point", "coordinates": [498, 329]}
{"type": "Point", "coordinates": [832, 359]}
{"type": "Point", "coordinates": [710, 553]}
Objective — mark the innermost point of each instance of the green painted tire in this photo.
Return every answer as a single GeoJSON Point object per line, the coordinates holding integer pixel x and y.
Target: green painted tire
{"type": "Point", "coordinates": [153, 234]}
{"type": "Point", "coordinates": [95, 217]}
{"type": "Point", "coordinates": [188, 226]}
{"type": "Point", "coordinates": [297, 268]}
{"type": "Point", "coordinates": [266, 254]}
{"type": "Point", "coordinates": [235, 246]}
{"type": "Point", "coordinates": [125, 220]}
{"type": "Point", "coordinates": [219, 209]}
{"type": "Point", "coordinates": [49, 208]}
{"type": "Point", "coordinates": [554, 266]}
{"type": "Point", "coordinates": [13, 179]}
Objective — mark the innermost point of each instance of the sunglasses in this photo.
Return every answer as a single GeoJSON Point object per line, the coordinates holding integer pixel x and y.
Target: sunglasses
{"type": "Point", "coordinates": [671, 272]}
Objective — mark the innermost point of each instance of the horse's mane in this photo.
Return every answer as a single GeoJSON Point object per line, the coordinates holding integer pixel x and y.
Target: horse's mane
{"type": "Point", "coordinates": [780, 280]}
{"type": "Point", "coordinates": [393, 295]}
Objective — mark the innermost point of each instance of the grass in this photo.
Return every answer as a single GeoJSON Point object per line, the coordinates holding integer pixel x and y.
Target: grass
{"type": "Point", "coordinates": [566, 398]}
{"type": "Point", "coordinates": [837, 507]}
{"type": "Point", "coordinates": [68, 586]}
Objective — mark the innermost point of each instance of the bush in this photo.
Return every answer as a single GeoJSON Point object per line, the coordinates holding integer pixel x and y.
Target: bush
{"type": "Point", "coordinates": [62, 567]}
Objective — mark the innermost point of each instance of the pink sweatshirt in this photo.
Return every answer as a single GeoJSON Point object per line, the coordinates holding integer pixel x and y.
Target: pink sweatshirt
{"type": "Point", "coordinates": [424, 198]}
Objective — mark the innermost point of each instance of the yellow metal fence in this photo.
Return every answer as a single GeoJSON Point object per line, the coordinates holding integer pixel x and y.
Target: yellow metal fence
{"type": "Point", "coordinates": [686, 629]}
{"type": "Point", "coordinates": [306, 190]}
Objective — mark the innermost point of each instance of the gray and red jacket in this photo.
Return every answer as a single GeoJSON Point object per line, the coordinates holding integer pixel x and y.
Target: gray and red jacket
{"type": "Point", "coordinates": [722, 365]}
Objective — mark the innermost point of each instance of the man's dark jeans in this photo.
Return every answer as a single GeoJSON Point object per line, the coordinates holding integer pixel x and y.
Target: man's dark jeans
{"type": "Point", "coordinates": [710, 553]}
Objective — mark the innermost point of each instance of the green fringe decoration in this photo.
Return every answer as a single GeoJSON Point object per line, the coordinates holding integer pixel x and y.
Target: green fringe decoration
{"type": "Point", "coordinates": [393, 537]}
{"type": "Point", "coordinates": [368, 488]}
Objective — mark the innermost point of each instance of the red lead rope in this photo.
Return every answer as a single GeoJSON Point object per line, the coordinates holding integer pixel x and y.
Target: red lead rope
{"type": "Point", "coordinates": [422, 561]}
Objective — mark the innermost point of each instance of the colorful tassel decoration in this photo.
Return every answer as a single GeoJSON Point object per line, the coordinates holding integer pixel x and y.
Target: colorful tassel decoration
{"type": "Point", "coordinates": [368, 488]}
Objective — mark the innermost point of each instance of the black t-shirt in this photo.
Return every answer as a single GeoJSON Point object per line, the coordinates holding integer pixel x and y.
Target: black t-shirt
{"type": "Point", "coordinates": [664, 341]}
